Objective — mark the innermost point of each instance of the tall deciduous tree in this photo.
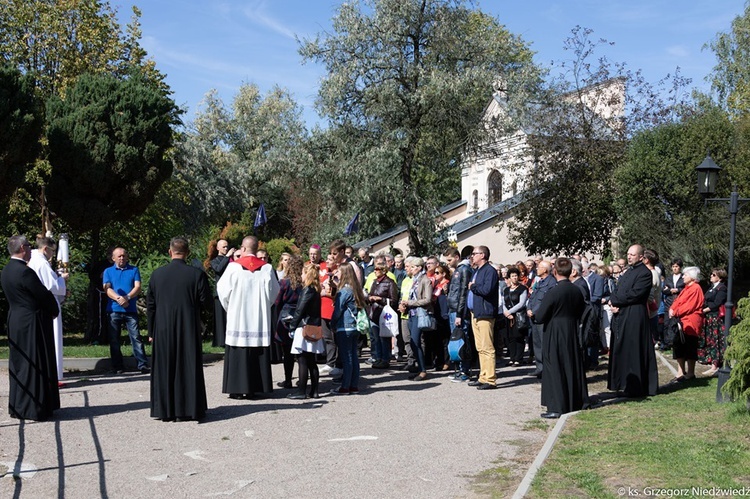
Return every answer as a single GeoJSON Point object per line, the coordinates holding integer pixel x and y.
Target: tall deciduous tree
{"type": "Point", "coordinates": [578, 134]}
{"type": "Point", "coordinates": [20, 127]}
{"type": "Point", "coordinates": [53, 42]}
{"type": "Point", "coordinates": [108, 143]}
{"type": "Point", "coordinates": [408, 80]}
{"type": "Point", "coordinates": [731, 75]}
{"type": "Point", "coordinates": [236, 158]}
{"type": "Point", "coordinates": [657, 198]}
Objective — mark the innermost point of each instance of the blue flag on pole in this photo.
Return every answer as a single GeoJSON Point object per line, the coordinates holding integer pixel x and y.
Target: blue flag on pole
{"type": "Point", "coordinates": [260, 216]}
{"type": "Point", "coordinates": [352, 227]}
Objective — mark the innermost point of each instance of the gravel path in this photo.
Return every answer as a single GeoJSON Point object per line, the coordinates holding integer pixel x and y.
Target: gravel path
{"type": "Point", "coordinates": [397, 438]}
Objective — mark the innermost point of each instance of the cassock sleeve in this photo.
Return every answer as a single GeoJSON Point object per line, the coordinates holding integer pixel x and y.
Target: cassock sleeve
{"type": "Point", "coordinates": [635, 292]}
{"type": "Point", "coordinates": [43, 296]}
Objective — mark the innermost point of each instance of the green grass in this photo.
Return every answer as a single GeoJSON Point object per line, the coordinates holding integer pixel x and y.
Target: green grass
{"type": "Point", "coordinates": [74, 346]}
{"type": "Point", "coordinates": [676, 440]}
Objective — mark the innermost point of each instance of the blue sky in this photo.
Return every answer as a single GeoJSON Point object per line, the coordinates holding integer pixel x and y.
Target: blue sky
{"type": "Point", "coordinates": [203, 44]}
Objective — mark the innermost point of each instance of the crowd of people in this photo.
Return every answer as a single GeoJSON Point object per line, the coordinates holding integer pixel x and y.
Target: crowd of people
{"type": "Point", "coordinates": [561, 315]}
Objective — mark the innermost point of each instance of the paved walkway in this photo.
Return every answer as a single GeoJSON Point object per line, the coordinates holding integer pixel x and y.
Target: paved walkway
{"type": "Point", "coordinates": [397, 438]}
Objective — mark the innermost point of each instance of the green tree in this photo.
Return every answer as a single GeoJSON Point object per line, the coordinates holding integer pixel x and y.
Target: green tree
{"type": "Point", "coordinates": [53, 42]}
{"type": "Point", "coordinates": [578, 133]}
{"type": "Point", "coordinates": [234, 159]}
{"type": "Point", "coordinates": [108, 143]}
{"type": "Point", "coordinates": [731, 75]}
{"type": "Point", "coordinates": [659, 179]}
{"type": "Point", "coordinates": [20, 127]}
{"type": "Point", "coordinates": [406, 85]}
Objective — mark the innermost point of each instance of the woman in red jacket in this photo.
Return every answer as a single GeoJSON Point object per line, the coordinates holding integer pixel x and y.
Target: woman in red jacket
{"type": "Point", "coordinates": [688, 307]}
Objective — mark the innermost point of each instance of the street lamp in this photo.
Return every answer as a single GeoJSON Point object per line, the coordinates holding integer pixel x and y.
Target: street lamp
{"type": "Point", "coordinates": [708, 173]}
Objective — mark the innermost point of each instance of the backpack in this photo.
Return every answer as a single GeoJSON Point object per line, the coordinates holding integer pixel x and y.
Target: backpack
{"type": "Point", "coordinates": [457, 347]}
{"type": "Point", "coordinates": [363, 322]}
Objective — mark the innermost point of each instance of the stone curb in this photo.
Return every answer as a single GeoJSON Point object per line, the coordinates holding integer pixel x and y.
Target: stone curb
{"type": "Point", "coordinates": [525, 484]}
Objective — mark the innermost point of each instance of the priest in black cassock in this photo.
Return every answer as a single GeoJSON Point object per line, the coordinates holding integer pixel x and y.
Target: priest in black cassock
{"type": "Point", "coordinates": [32, 367]}
{"type": "Point", "coordinates": [219, 265]}
{"type": "Point", "coordinates": [176, 294]}
{"type": "Point", "coordinates": [632, 362]}
{"type": "Point", "coordinates": [564, 387]}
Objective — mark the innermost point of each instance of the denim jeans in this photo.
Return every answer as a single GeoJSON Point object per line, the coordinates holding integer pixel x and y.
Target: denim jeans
{"type": "Point", "coordinates": [116, 320]}
{"type": "Point", "coordinates": [381, 347]}
{"type": "Point", "coordinates": [348, 345]}
{"type": "Point", "coordinates": [464, 367]}
{"type": "Point", "coordinates": [376, 347]}
{"type": "Point", "coordinates": [416, 342]}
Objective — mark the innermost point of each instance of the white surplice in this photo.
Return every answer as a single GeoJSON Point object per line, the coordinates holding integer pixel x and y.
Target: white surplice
{"type": "Point", "coordinates": [56, 285]}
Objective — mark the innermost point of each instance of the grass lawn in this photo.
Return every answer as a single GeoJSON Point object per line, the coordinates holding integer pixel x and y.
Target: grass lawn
{"type": "Point", "coordinates": [75, 346]}
{"type": "Point", "coordinates": [677, 440]}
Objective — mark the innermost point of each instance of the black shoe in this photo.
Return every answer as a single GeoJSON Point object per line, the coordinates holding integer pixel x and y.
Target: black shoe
{"type": "Point", "coordinates": [475, 383]}
{"type": "Point", "coordinates": [313, 395]}
{"type": "Point", "coordinates": [550, 415]}
{"type": "Point", "coordinates": [145, 370]}
{"type": "Point", "coordinates": [116, 371]}
{"type": "Point", "coordinates": [284, 384]}
{"type": "Point", "coordinates": [487, 386]}
{"type": "Point", "coordinates": [296, 396]}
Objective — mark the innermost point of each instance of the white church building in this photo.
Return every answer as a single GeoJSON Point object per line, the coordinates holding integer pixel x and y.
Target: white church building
{"type": "Point", "coordinates": [492, 185]}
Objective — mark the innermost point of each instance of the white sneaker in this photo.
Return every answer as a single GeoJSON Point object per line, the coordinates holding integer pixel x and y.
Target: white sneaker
{"type": "Point", "coordinates": [336, 372]}
{"type": "Point", "coordinates": [324, 370]}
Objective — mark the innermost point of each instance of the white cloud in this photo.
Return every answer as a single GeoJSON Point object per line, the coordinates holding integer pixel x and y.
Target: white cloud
{"type": "Point", "coordinates": [256, 12]}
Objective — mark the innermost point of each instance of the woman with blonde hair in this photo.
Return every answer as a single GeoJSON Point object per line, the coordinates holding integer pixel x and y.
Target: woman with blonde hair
{"type": "Point", "coordinates": [281, 267]}
{"type": "Point", "coordinates": [307, 313]}
{"type": "Point", "coordinates": [420, 297]}
{"type": "Point", "coordinates": [290, 289]}
{"type": "Point", "coordinates": [347, 303]}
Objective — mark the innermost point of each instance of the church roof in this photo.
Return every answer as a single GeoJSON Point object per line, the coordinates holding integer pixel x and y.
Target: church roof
{"type": "Point", "coordinates": [398, 229]}
{"type": "Point", "coordinates": [482, 216]}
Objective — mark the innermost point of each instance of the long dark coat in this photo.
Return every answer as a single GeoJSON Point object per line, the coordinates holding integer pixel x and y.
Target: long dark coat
{"type": "Point", "coordinates": [34, 393]}
{"type": "Point", "coordinates": [176, 294]}
{"type": "Point", "coordinates": [632, 362]}
{"type": "Point", "coordinates": [564, 387]}
{"type": "Point", "coordinates": [219, 265]}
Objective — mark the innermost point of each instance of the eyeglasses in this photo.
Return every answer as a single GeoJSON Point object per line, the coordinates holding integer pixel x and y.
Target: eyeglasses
{"type": "Point", "coordinates": [477, 253]}
{"type": "Point", "coordinates": [379, 269]}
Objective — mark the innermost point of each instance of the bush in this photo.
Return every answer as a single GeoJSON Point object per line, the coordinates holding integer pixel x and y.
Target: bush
{"type": "Point", "coordinates": [737, 354]}
{"type": "Point", "coordinates": [275, 247]}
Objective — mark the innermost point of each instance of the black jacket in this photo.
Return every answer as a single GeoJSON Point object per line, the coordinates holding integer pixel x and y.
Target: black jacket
{"type": "Point", "coordinates": [715, 297]}
{"type": "Point", "coordinates": [457, 290]}
{"type": "Point", "coordinates": [308, 308]}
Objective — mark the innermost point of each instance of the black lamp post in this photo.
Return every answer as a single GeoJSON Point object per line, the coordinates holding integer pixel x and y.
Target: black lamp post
{"type": "Point", "coordinates": [708, 173]}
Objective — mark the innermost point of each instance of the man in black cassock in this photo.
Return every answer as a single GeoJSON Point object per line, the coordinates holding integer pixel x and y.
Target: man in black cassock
{"type": "Point", "coordinates": [632, 362]}
{"type": "Point", "coordinates": [32, 367]}
{"type": "Point", "coordinates": [219, 265]}
{"type": "Point", "coordinates": [564, 386]}
{"type": "Point", "coordinates": [176, 293]}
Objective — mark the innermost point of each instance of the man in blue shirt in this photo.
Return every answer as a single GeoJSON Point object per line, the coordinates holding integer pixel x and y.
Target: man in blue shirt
{"type": "Point", "coordinates": [122, 283]}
